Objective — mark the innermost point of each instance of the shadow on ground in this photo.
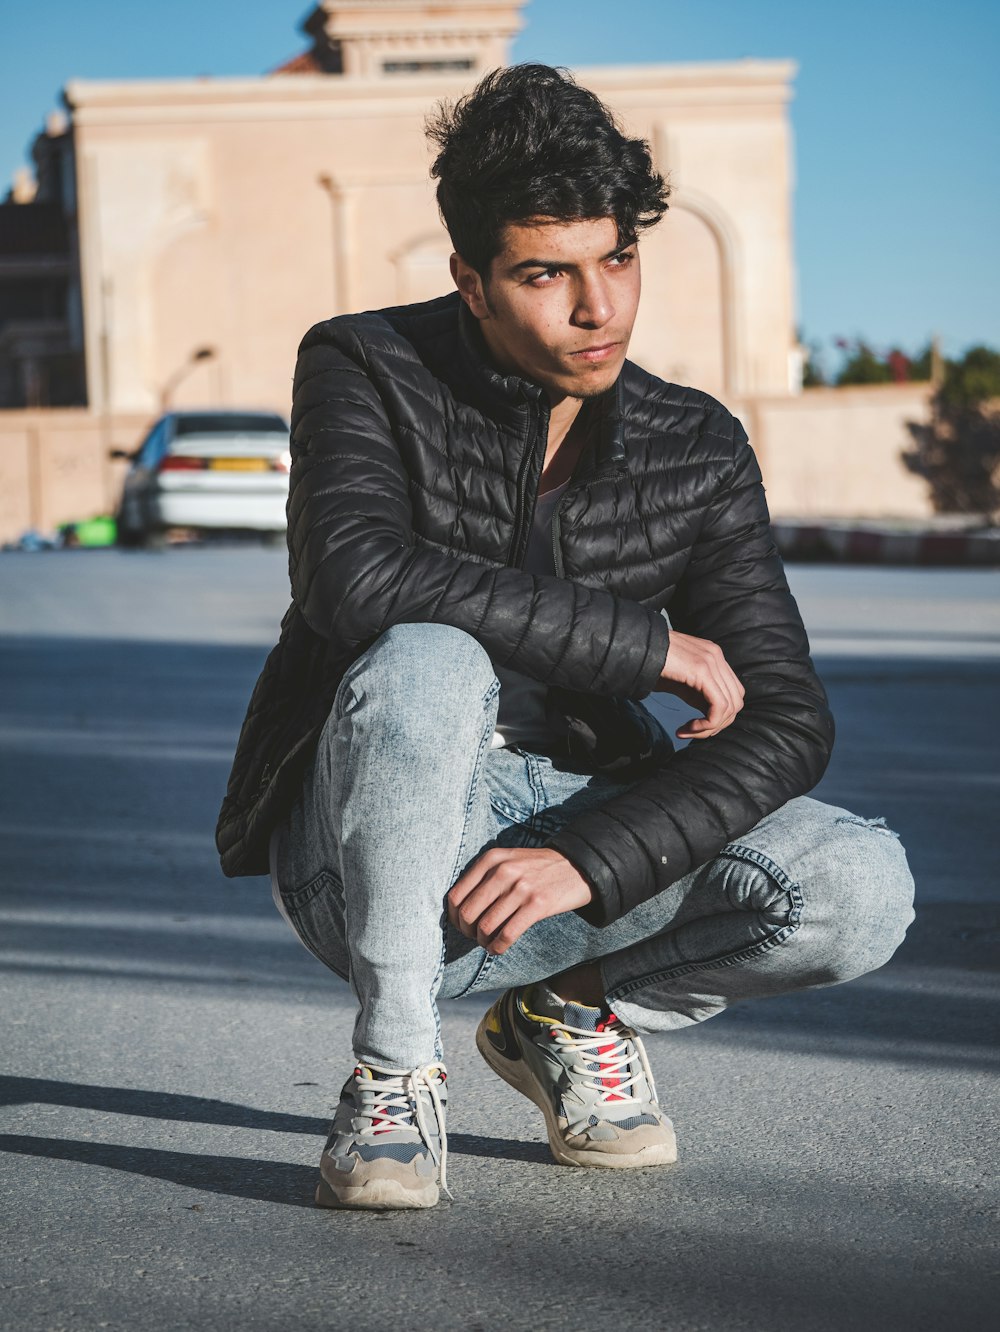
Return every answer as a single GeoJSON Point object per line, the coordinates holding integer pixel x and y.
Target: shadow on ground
{"type": "Point", "coordinates": [114, 764]}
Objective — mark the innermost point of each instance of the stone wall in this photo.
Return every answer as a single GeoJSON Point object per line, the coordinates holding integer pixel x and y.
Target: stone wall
{"type": "Point", "coordinates": [54, 466]}
{"type": "Point", "coordinates": [835, 452]}
{"type": "Point", "coordinates": [828, 453]}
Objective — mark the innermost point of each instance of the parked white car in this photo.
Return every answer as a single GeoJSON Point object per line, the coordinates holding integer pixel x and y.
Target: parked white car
{"type": "Point", "coordinates": [218, 470]}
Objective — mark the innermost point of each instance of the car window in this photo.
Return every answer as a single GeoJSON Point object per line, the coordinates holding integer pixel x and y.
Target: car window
{"type": "Point", "coordinates": [152, 448]}
{"type": "Point", "coordinates": [228, 423]}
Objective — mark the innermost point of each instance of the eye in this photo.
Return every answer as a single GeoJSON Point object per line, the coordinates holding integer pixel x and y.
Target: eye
{"type": "Point", "coordinates": [543, 278]}
{"type": "Point", "coordinates": [623, 258]}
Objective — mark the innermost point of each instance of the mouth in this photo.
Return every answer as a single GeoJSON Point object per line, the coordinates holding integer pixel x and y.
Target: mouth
{"type": "Point", "coordinates": [594, 355]}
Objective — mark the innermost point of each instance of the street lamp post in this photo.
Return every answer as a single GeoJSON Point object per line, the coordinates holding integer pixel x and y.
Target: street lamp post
{"type": "Point", "coordinates": [182, 371]}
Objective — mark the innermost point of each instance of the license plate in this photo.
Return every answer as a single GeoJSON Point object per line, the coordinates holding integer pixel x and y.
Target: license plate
{"type": "Point", "coordinates": [239, 465]}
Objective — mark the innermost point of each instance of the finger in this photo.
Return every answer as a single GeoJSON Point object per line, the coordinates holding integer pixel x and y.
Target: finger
{"type": "Point", "coordinates": [724, 693]}
{"type": "Point", "coordinates": [706, 683]}
{"type": "Point", "coordinates": [499, 911]}
{"type": "Point", "coordinates": [697, 729]}
{"type": "Point", "coordinates": [718, 715]}
{"type": "Point", "coordinates": [718, 718]}
{"type": "Point", "coordinates": [466, 882]}
{"type": "Point", "coordinates": [702, 677]}
{"type": "Point", "coordinates": [493, 886]}
{"type": "Point", "coordinates": [710, 684]}
{"type": "Point", "coordinates": [689, 731]}
{"type": "Point", "coordinates": [733, 686]}
{"type": "Point", "coordinates": [461, 889]}
{"type": "Point", "coordinates": [513, 928]}
{"type": "Point", "coordinates": [735, 692]}
{"type": "Point", "coordinates": [701, 728]}
{"type": "Point", "coordinates": [452, 912]}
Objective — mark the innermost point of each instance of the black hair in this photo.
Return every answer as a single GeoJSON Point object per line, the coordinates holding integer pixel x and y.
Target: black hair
{"type": "Point", "coordinates": [529, 142]}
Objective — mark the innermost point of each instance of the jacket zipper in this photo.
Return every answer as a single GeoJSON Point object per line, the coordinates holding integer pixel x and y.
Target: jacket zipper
{"type": "Point", "coordinates": [557, 559]}
{"type": "Point", "coordinates": [525, 511]}
{"type": "Point", "coordinates": [617, 468]}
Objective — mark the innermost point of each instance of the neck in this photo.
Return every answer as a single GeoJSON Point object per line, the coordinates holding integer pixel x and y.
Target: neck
{"type": "Point", "coordinates": [562, 446]}
{"type": "Point", "coordinates": [562, 409]}
{"type": "Point", "coordinates": [564, 443]}
{"type": "Point", "coordinates": [563, 412]}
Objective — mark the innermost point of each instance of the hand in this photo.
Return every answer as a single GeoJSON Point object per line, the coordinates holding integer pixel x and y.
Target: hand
{"type": "Point", "coordinates": [509, 889]}
{"type": "Point", "coordinates": [696, 671]}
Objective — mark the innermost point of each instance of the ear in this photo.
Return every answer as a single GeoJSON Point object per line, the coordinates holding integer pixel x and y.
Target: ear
{"type": "Point", "coordinates": [470, 286]}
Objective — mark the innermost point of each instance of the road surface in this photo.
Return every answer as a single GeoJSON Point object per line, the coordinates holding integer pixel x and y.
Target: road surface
{"type": "Point", "coordinates": [172, 1053]}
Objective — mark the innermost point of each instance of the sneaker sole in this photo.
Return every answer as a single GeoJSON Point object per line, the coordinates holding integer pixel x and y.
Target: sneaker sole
{"type": "Point", "coordinates": [519, 1076]}
{"type": "Point", "coordinates": [377, 1195]}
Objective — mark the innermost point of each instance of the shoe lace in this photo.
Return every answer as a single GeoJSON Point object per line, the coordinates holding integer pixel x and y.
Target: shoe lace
{"type": "Point", "coordinates": [612, 1069]}
{"type": "Point", "coordinates": [391, 1100]}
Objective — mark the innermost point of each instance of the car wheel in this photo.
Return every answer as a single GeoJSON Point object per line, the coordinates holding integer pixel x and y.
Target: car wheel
{"type": "Point", "coordinates": [126, 537]}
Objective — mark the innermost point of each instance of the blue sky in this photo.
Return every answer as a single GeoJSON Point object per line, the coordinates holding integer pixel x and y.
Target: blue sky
{"type": "Point", "coordinates": [896, 116]}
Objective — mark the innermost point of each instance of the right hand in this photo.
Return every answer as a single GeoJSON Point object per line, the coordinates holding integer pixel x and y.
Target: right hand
{"type": "Point", "coordinates": [696, 671]}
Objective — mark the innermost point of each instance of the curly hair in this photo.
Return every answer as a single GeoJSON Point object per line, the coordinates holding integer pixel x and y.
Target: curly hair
{"type": "Point", "coordinates": [530, 142]}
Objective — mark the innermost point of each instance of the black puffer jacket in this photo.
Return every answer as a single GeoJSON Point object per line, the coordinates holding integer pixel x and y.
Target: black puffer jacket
{"type": "Point", "coordinates": [414, 473]}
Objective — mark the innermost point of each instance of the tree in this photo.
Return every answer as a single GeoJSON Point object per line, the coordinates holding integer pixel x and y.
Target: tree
{"type": "Point", "coordinates": [958, 451]}
{"type": "Point", "coordinates": [812, 369]}
{"type": "Point", "coordinates": [813, 373]}
{"type": "Point", "coordinates": [861, 365]}
{"type": "Point", "coordinates": [922, 365]}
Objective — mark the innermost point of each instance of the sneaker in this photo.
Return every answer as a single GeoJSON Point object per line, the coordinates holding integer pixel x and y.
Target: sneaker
{"type": "Point", "coordinates": [587, 1073]}
{"type": "Point", "coordinates": [387, 1143]}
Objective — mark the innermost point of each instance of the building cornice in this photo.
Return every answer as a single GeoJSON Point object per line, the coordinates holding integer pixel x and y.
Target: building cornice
{"type": "Point", "coordinates": [733, 83]}
{"type": "Point", "coordinates": [737, 83]}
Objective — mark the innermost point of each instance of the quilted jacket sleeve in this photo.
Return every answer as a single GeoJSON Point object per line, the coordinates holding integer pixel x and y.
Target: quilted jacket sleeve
{"type": "Point", "coordinates": [734, 592]}
{"type": "Point", "coordinates": [356, 571]}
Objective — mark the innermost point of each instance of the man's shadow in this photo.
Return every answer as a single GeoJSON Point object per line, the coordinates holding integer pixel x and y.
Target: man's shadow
{"type": "Point", "coordinates": [238, 1177]}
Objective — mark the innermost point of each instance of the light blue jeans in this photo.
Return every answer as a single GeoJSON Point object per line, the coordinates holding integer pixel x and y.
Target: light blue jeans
{"type": "Point", "coordinates": [405, 792]}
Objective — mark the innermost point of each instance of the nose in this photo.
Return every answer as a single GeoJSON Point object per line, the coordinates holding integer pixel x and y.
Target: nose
{"type": "Point", "coordinates": [594, 307]}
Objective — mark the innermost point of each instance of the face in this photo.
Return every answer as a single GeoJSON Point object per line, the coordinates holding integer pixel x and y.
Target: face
{"type": "Point", "coordinates": [558, 304]}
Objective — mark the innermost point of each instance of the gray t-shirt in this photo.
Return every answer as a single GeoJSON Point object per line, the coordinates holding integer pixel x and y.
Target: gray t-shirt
{"type": "Point", "coordinates": [521, 719]}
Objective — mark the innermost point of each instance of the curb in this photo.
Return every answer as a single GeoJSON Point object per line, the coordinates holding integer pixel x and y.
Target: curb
{"type": "Point", "coordinates": [867, 545]}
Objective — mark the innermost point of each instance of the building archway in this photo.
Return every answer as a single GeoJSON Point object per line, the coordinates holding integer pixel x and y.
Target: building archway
{"type": "Point", "coordinates": [422, 267]}
{"type": "Point", "coordinates": [689, 318]}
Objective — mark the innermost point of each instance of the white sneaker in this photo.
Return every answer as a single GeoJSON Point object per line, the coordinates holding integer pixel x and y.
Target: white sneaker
{"type": "Point", "coordinates": [387, 1144]}
{"type": "Point", "coordinates": [588, 1074]}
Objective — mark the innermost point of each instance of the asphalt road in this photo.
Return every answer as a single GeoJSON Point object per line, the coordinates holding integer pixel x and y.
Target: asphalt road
{"type": "Point", "coordinates": [171, 1053]}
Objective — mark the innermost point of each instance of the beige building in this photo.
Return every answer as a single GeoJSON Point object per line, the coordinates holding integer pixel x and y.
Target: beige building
{"type": "Point", "coordinates": [217, 219]}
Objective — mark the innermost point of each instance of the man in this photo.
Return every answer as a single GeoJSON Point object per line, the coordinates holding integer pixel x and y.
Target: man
{"type": "Point", "coordinates": [445, 764]}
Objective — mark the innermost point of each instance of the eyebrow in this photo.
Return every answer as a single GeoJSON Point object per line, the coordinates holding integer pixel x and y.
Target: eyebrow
{"type": "Point", "coordinates": [562, 263]}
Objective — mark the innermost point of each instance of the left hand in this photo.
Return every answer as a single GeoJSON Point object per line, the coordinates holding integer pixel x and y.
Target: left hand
{"type": "Point", "coordinates": [509, 889]}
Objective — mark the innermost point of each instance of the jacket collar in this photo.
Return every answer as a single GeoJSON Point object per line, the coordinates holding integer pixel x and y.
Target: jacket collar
{"type": "Point", "coordinates": [504, 392]}
{"type": "Point", "coordinates": [507, 395]}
